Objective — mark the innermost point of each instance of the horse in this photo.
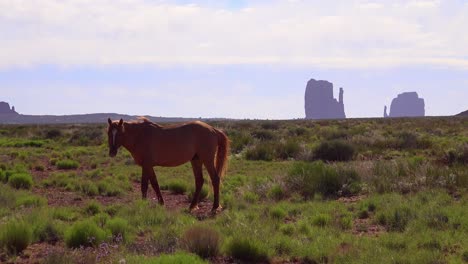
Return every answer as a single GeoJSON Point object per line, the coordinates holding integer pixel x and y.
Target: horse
{"type": "Point", "coordinates": [151, 144]}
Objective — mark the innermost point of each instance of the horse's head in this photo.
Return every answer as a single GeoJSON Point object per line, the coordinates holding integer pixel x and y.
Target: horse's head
{"type": "Point", "coordinates": [115, 132]}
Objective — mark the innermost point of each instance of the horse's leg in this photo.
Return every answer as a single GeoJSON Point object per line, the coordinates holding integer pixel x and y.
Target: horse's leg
{"type": "Point", "coordinates": [144, 183]}
{"type": "Point", "coordinates": [155, 185]}
{"type": "Point", "coordinates": [197, 168]}
{"type": "Point", "coordinates": [215, 180]}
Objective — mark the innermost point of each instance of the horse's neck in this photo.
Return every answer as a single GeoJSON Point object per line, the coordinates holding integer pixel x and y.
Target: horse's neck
{"type": "Point", "coordinates": [130, 134]}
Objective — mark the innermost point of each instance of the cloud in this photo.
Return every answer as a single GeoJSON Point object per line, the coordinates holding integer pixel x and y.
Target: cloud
{"type": "Point", "coordinates": [342, 34]}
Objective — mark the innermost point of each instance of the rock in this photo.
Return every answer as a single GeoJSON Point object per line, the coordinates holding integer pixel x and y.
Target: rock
{"type": "Point", "coordinates": [385, 112]}
{"type": "Point", "coordinates": [320, 103]}
{"type": "Point", "coordinates": [5, 108]}
{"type": "Point", "coordinates": [407, 104]}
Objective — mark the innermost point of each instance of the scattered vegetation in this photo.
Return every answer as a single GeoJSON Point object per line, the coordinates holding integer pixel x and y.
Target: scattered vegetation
{"type": "Point", "coordinates": [328, 191]}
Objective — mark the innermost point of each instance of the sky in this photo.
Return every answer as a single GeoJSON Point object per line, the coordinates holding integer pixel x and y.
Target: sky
{"type": "Point", "coordinates": [226, 58]}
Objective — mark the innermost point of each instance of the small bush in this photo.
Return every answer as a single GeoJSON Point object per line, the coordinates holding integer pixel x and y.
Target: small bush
{"type": "Point", "coordinates": [119, 228]}
{"type": "Point", "coordinates": [288, 149]}
{"type": "Point", "coordinates": [48, 232]}
{"type": "Point", "coordinates": [108, 189]}
{"type": "Point", "coordinates": [177, 258]}
{"type": "Point", "coordinates": [396, 220]}
{"type": "Point", "coordinates": [177, 187]}
{"type": "Point", "coordinates": [67, 164]}
{"type": "Point", "coordinates": [334, 150]}
{"type": "Point", "coordinates": [261, 151]}
{"type": "Point", "coordinates": [85, 233]}
{"type": "Point", "coordinates": [276, 192]}
{"type": "Point", "coordinates": [20, 181]}
{"type": "Point", "coordinates": [53, 133]}
{"type": "Point", "coordinates": [311, 178]}
{"type": "Point", "coordinates": [89, 188]}
{"type": "Point", "coordinates": [203, 241]}
{"type": "Point", "coordinates": [250, 197]}
{"type": "Point", "coordinates": [246, 249]}
{"type": "Point", "coordinates": [15, 236]}
{"type": "Point", "coordinates": [278, 213]}
{"type": "Point", "coordinates": [92, 208]}
{"type": "Point", "coordinates": [321, 220]}
{"type": "Point", "coordinates": [263, 135]}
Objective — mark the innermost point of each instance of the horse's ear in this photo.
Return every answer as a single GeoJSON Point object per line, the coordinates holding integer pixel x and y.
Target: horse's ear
{"type": "Point", "coordinates": [109, 121]}
{"type": "Point", "coordinates": [121, 122]}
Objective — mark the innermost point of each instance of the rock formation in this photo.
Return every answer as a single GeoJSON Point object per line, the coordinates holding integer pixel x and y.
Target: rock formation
{"type": "Point", "coordinates": [5, 108]}
{"type": "Point", "coordinates": [385, 112]}
{"type": "Point", "coordinates": [320, 103]}
{"type": "Point", "coordinates": [463, 113]}
{"type": "Point", "coordinates": [407, 104]}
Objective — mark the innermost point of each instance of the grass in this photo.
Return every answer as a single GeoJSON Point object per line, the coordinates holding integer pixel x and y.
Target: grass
{"type": "Point", "coordinates": [406, 180]}
{"type": "Point", "coordinates": [67, 164]}
{"type": "Point", "coordinates": [85, 233]}
{"type": "Point", "coordinates": [20, 181]}
{"type": "Point", "coordinates": [203, 241]}
{"type": "Point", "coordinates": [15, 236]}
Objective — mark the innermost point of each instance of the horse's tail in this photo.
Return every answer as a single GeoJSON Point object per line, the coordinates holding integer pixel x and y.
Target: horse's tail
{"type": "Point", "coordinates": [222, 154]}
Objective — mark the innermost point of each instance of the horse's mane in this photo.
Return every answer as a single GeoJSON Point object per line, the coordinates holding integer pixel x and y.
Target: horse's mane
{"type": "Point", "coordinates": [140, 120]}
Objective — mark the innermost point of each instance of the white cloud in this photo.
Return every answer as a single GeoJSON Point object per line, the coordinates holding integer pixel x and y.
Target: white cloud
{"type": "Point", "coordinates": [342, 34]}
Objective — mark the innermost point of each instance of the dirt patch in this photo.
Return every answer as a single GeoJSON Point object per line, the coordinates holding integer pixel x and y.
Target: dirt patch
{"type": "Point", "coordinates": [351, 199]}
{"type": "Point", "coordinates": [365, 227]}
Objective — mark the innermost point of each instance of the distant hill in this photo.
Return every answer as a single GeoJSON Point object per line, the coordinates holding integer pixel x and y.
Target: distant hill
{"type": "Point", "coordinates": [463, 113]}
{"type": "Point", "coordinates": [85, 118]}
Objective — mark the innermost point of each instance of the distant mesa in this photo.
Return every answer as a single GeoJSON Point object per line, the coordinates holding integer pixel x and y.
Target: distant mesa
{"type": "Point", "coordinates": [406, 105]}
{"type": "Point", "coordinates": [320, 103]}
{"type": "Point", "coordinates": [5, 108]}
{"type": "Point", "coordinates": [463, 113]}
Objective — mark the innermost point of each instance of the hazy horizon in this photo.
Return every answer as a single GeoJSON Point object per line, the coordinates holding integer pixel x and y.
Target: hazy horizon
{"type": "Point", "coordinates": [230, 59]}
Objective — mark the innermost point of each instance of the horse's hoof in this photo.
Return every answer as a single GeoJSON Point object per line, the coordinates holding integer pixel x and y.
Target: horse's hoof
{"type": "Point", "coordinates": [216, 210]}
{"type": "Point", "coordinates": [193, 208]}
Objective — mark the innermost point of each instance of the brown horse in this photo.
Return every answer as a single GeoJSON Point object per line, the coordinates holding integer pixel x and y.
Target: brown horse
{"type": "Point", "coordinates": [153, 145]}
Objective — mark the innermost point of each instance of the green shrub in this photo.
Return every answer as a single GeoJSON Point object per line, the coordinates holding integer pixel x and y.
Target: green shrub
{"type": "Point", "coordinates": [48, 231]}
{"type": "Point", "coordinates": [321, 220]}
{"type": "Point", "coordinates": [109, 188]}
{"type": "Point", "coordinates": [203, 241]}
{"type": "Point", "coordinates": [119, 228]}
{"type": "Point", "coordinates": [85, 233]}
{"type": "Point", "coordinates": [92, 208]}
{"type": "Point", "coordinates": [334, 150]}
{"type": "Point", "coordinates": [20, 181]}
{"type": "Point", "coordinates": [15, 236]}
{"type": "Point", "coordinates": [250, 197]}
{"type": "Point", "coordinates": [177, 258]}
{"type": "Point", "coordinates": [177, 187]}
{"type": "Point", "coordinates": [247, 249]}
{"type": "Point", "coordinates": [3, 176]}
{"type": "Point", "coordinates": [311, 178]}
{"type": "Point", "coordinates": [278, 213]}
{"type": "Point", "coordinates": [67, 164]}
{"type": "Point", "coordinates": [396, 219]}
{"type": "Point", "coordinates": [287, 229]}
{"type": "Point", "coordinates": [239, 140]}
{"type": "Point", "coordinates": [31, 201]}
{"type": "Point", "coordinates": [276, 192]}
{"type": "Point", "coordinates": [53, 133]}
{"type": "Point", "coordinates": [288, 149]}
{"type": "Point", "coordinates": [261, 151]}
{"type": "Point", "coordinates": [263, 135]}
{"type": "Point", "coordinates": [465, 256]}
{"type": "Point", "coordinates": [89, 188]}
